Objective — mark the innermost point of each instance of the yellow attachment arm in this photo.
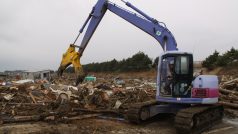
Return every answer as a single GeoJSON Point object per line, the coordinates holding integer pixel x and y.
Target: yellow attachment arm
{"type": "Point", "coordinates": [72, 57]}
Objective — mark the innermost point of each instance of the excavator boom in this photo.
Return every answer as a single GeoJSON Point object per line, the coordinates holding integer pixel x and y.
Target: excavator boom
{"type": "Point", "coordinates": [141, 20]}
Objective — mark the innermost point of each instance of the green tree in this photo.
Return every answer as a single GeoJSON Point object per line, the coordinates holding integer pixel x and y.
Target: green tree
{"type": "Point", "coordinates": [210, 61]}
{"type": "Point", "coordinates": [221, 60]}
{"type": "Point", "coordinates": [137, 62]}
{"type": "Point", "coordinates": [228, 57]}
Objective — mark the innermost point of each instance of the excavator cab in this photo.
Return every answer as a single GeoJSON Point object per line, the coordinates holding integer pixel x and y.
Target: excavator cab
{"type": "Point", "coordinates": [175, 74]}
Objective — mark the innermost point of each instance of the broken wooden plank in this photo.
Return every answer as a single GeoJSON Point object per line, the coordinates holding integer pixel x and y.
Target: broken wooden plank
{"type": "Point", "coordinates": [228, 104]}
{"type": "Point", "coordinates": [230, 97]}
{"type": "Point", "coordinates": [32, 97]}
{"type": "Point", "coordinates": [31, 104]}
{"type": "Point", "coordinates": [79, 117]}
{"type": "Point", "coordinates": [226, 92]}
{"type": "Point", "coordinates": [16, 119]}
{"type": "Point", "coordinates": [230, 81]}
{"type": "Point", "coordinates": [95, 111]}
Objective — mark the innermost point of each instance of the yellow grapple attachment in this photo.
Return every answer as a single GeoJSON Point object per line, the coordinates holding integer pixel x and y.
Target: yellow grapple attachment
{"type": "Point", "coordinates": [72, 57]}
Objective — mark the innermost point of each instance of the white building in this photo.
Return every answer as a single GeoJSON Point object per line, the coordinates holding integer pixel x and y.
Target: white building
{"type": "Point", "coordinates": [44, 74]}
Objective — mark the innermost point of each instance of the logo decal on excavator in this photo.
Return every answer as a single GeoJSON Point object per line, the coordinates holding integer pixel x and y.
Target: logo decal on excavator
{"type": "Point", "coordinates": [158, 33]}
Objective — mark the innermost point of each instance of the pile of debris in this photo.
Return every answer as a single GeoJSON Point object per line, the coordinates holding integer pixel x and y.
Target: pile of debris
{"type": "Point", "coordinates": [26, 101]}
{"type": "Point", "coordinates": [229, 95]}
{"type": "Point", "coordinates": [40, 100]}
{"type": "Point", "coordinates": [113, 97]}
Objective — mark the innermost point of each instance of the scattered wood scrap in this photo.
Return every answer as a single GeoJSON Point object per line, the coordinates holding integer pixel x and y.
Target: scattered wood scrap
{"type": "Point", "coordinates": [229, 95]}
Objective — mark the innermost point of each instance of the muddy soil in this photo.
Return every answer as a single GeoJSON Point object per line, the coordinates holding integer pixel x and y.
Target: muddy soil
{"type": "Point", "coordinates": [104, 125]}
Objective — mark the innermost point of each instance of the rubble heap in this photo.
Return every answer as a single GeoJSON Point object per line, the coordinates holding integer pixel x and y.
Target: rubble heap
{"type": "Point", "coordinates": [34, 101]}
{"type": "Point", "coordinates": [103, 96]}
{"type": "Point", "coordinates": [229, 95]}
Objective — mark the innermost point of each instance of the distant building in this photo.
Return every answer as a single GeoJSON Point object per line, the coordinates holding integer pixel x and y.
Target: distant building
{"type": "Point", "coordinates": [14, 73]}
{"type": "Point", "coordinates": [44, 74]}
{"type": "Point", "coordinates": [22, 74]}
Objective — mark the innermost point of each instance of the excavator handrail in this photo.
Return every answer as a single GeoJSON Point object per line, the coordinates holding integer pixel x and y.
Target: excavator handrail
{"type": "Point", "coordinates": [138, 15]}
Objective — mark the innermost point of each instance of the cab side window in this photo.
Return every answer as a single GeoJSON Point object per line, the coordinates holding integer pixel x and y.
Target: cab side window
{"type": "Point", "coordinates": [182, 65]}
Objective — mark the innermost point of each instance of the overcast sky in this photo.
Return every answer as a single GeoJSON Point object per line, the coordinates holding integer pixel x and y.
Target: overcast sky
{"type": "Point", "coordinates": [35, 33]}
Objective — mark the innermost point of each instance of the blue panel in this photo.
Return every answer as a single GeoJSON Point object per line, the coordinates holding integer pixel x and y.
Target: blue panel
{"type": "Point", "coordinates": [160, 33]}
{"type": "Point", "coordinates": [180, 100]}
{"type": "Point", "coordinates": [97, 14]}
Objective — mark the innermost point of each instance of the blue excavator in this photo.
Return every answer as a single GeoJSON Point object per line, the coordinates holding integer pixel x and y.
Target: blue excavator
{"type": "Point", "coordinates": [193, 100]}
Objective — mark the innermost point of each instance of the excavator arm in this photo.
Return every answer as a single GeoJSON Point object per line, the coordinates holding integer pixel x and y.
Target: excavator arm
{"type": "Point", "coordinates": [141, 20]}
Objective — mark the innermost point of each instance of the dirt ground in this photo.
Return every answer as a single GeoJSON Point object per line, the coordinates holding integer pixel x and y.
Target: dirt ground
{"type": "Point", "coordinates": [162, 124]}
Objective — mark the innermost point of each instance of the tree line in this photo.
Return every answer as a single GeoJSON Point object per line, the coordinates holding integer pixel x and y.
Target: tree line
{"type": "Point", "coordinates": [142, 62]}
{"type": "Point", "coordinates": [220, 60]}
{"type": "Point", "coordinates": [138, 62]}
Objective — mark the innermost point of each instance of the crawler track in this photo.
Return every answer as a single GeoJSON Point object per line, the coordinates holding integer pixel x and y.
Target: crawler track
{"type": "Point", "coordinates": [196, 119]}
{"type": "Point", "coordinates": [134, 114]}
{"type": "Point", "coordinates": [191, 120]}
